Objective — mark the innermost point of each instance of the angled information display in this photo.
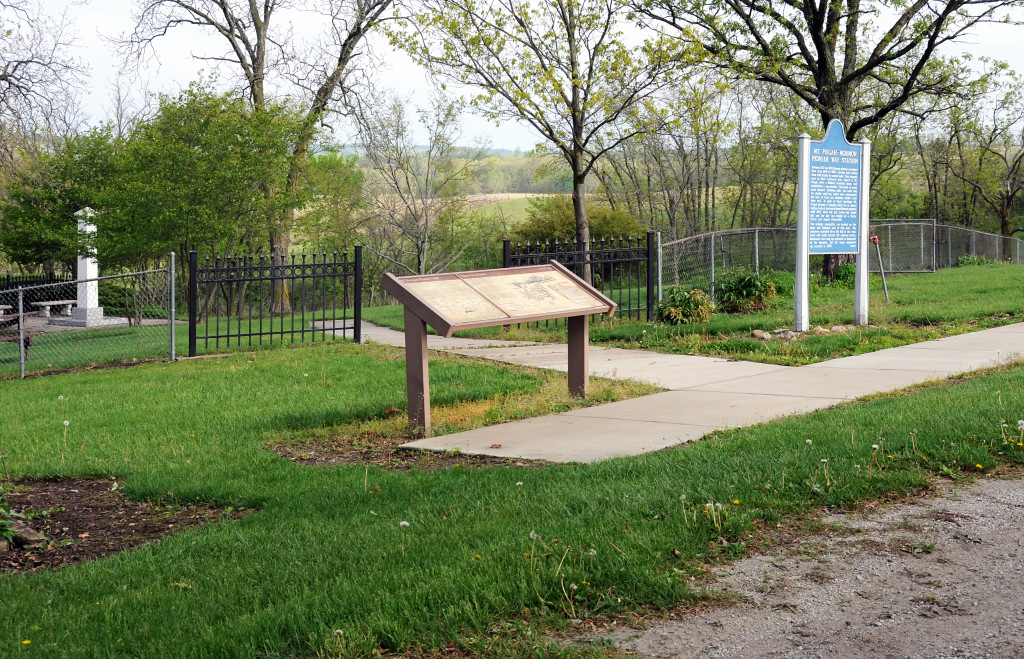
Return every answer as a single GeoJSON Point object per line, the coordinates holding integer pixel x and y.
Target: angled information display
{"type": "Point", "coordinates": [484, 298]}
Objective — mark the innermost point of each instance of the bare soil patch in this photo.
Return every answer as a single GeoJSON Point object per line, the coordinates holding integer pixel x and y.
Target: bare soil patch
{"type": "Point", "coordinates": [385, 453]}
{"type": "Point", "coordinates": [83, 520]}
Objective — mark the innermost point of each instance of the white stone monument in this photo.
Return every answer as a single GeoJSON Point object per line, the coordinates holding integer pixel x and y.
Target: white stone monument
{"type": "Point", "coordinates": [88, 313]}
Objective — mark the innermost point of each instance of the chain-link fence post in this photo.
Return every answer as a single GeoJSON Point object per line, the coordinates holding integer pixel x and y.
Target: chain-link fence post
{"type": "Point", "coordinates": [171, 317]}
{"type": "Point", "coordinates": [21, 330]}
{"type": "Point", "coordinates": [712, 268]}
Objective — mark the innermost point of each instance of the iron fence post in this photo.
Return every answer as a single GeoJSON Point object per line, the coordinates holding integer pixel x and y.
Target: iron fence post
{"type": "Point", "coordinates": [661, 265]}
{"type": "Point", "coordinates": [357, 330]}
{"type": "Point", "coordinates": [171, 352]}
{"type": "Point", "coordinates": [193, 300]}
{"type": "Point", "coordinates": [506, 253]}
{"type": "Point", "coordinates": [21, 330]}
{"type": "Point", "coordinates": [652, 240]}
{"type": "Point", "coordinates": [757, 251]}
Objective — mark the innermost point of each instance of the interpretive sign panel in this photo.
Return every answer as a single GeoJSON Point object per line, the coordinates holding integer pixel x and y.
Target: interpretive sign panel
{"type": "Point", "coordinates": [484, 298]}
{"type": "Point", "coordinates": [835, 189]}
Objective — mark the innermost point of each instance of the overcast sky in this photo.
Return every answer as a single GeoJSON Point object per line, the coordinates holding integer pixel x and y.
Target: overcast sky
{"type": "Point", "coordinates": [175, 68]}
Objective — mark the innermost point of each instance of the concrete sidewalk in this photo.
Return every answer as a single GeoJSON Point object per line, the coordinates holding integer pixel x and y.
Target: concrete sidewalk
{"type": "Point", "coordinates": [705, 393]}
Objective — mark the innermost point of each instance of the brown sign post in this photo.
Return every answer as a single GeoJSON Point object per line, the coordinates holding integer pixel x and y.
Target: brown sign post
{"type": "Point", "coordinates": [485, 298]}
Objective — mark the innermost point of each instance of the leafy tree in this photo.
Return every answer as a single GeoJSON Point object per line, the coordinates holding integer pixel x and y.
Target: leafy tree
{"type": "Point", "coordinates": [846, 61]}
{"type": "Point", "coordinates": [561, 67]}
{"type": "Point", "coordinates": [333, 186]}
{"type": "Point", "coordinates": [37, 216]}
{"type": "Point", "coordinates": [194, 178]}
{"type": "Point", "coordinates": [551, 218]}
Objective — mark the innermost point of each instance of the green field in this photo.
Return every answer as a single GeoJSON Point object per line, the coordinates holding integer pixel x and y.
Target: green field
{"type": "Point", "coordinates": [489, 557]}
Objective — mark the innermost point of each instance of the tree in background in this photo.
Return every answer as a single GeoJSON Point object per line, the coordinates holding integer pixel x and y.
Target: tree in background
{"type": "Point", "coordinates": [315, 71]}
{"type": "Point", "coordinates": [561, 67]}
{"type": "Point", "coordinates": [416, 196]}
{"type": "Point", "coordinates": [844, 61]}
{"type": "Point", "coordinates": [551, 218]}
{"type": "Point", "coordinates": [333, 190]}
{"type": "Point", "coordinates": [38, 80]}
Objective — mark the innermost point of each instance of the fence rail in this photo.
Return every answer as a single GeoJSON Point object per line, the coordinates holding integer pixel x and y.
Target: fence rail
{"type": "Point", "coordinates": [624, 269]}
{"type": "Point", "coordinates": [252, 299]}
{"type": "Point", "coordinates": [906, 246]}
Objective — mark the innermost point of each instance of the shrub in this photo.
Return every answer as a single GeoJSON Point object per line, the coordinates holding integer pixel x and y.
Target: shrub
{"type": "Point", "coordinates": [846, 276]}
{"type": "Point", "coordinates": [682, 306]}
{"type": "Point", "coordinates": [741, 291]}
{"type": "Point", "coordinates": [784, 281]}
{"type": "Point", "coordinates": [551, 218]}
{"type": "Point", "coordinates": [973, 259]}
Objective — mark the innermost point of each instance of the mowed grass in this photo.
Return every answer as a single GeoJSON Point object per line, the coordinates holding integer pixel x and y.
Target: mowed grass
{"type": "Point", "coordinates": [923, 307]}
{"type": "Point", "coordinates": [324, 565]}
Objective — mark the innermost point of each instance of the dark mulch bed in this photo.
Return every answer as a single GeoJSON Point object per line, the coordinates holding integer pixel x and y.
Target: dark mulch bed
{"type": "Point", "coordinates": [84, 520]}
{"type": "Point", "coordinates": [385, 453]}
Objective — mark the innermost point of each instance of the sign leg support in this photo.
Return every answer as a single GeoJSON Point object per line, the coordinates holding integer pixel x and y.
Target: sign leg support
{"type": "Point", "coordinates": [416, 375]}
{"type": "Point", "coordinates": [579, 365]}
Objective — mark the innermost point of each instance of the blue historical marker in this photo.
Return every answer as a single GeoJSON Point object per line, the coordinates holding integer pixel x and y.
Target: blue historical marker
{"type": "Point", "coordinates": [834, 194]}
{"type": "Point", "coordinates": [831, 213]}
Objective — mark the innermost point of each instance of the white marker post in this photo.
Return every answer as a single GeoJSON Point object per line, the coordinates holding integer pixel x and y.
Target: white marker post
{"type": "Point", "coordinates": [860, 299]}
{"type": "Point", "coordinates": [801, 307]}
{"type": "Point", "coordinates": [88, 270]}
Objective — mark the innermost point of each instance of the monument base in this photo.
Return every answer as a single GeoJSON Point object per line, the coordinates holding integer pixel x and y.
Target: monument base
{"type": "Point", "coordinates": [88, 317]}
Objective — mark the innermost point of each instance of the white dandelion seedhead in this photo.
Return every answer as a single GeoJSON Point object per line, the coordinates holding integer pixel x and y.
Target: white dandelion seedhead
{"type": "Point", "coordinates": [66, 423]}
{"type": "Point", "coordinates": [809, 442]}
{"type": "Point", "coordinates": [60, 397]}
{"type": "Point", "coordinates": [573, 586]}
{"type": "Point", "coordinates": [1020, 425]}
{"type": "Point", "coordinates": [874, 447]}
{"type": "Point", "coordinates": [519, 483]}
{"type": "Point", "coordinates": [592, 552]}
{"type": "Point", "coordinates": [824, 460]}
{"type": "Point", "coordinates": [305, 375]}
{"type": "Point", "coordinates": [682, 497]}
{"type": "Point", "coordinates": [533, 535]}
{"type": "Point", "coordinates": [404, 524]}
{"type": "Point", "coordinates": [718, 506]}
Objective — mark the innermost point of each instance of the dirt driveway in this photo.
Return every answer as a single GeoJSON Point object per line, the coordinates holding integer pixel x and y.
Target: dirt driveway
{"type": "Point", "coordinates": [941, 577]}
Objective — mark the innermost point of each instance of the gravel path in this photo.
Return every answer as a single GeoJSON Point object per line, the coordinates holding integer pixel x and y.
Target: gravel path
{"type": "Point", "coordinates": [941, 577]}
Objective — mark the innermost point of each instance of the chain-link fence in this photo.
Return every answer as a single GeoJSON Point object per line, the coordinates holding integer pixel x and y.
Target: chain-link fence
{"type": "Point", "coordinates": [106, 320]}
{"type": "Point", "coordinates": [906, 246]}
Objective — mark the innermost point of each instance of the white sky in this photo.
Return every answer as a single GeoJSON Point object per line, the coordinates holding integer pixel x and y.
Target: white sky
{"type": "Point", "coordinates": [175, 68]}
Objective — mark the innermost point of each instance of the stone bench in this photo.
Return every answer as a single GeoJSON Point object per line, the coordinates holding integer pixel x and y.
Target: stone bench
{"type": "Point", "coordinates": [64, 310]}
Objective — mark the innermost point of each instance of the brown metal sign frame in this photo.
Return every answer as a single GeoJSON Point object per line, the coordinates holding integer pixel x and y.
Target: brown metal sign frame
{"type": "Point", "coordinates": [580, 301]}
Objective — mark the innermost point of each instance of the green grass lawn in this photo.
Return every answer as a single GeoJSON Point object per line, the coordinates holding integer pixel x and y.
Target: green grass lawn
{"type": "Point", "coordinates": [923, 307]}
{"type": "Point", "coordinates": [324, 565]}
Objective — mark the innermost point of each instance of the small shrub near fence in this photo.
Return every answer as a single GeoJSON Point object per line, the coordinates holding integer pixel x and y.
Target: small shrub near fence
{"type": "Point", "coordinates": [259, 300]}
{"type": "Point", "coordinates": [624, 269]}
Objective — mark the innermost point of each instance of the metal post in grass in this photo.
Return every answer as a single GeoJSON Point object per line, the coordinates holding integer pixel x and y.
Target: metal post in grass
{"type": "Point", "coordinates": [21, 329]}
{"type": "Point", "coordinates": [661, 264]}
{"type": "Point", "coordinates": [757, 253]}
{"type": "Point", "coordinates": [801, 305]}
{"type": "Point", "coordinates": [653, 240]}
{"type": "Point", "coordinates": [193, 300]}
{"type": "Point", "coordinates": [357, 303]}
{"type": "Point", "coordinates": [170, 309]}
{"type": "Point", "coordinates": [506, 253]}
{"type": "Point", "coordinates": [712, 268]}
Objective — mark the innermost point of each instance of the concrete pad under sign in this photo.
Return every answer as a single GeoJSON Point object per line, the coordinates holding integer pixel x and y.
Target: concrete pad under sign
{"type": "Point", "coordinates": [578, 439]}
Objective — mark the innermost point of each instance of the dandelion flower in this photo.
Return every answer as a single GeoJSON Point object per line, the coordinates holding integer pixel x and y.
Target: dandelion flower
{"type": "Point", "coordinates": [735, 502]}
{"type": "Point", "coordinates": [60, 397]}
{"type": "Point", "coordinates": [874, 447]}
{"type": "Point", "coordinates": [824, 460]}
{"type": "Point", "coordinates": [592, 552]}
{"type": "Point", "coordinates": [1020, 425]}
{"type": "Point", "coordinates": [573, 586]}
{"type": "Point", "coordinates": [66, 423]}
{"type": "Point", "coordinates": [404, 524]}
{"type": "Point", "coordinates": [533, 535]}
{"type": "Point", "coordinates": [519, 483]}
{"type": "Point", "coordinates": [305, 375]}
{"type": "Point", "coordinates": [477, 556]}
{"type": "Point", "coordinates": [979, 466]}
{"type": "Point", "coordinates": [809, 442]}
{"type": "Point", "coordinates": [682, 497]}
{"type": "Point", "coordinates": [26, 642]}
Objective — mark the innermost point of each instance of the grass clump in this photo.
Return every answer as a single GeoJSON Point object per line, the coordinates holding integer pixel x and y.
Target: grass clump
{"type": "Point", "coordinates": [682, 306]}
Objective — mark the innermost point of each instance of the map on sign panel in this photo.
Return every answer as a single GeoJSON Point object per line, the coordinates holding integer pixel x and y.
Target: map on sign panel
{"type": "Point", "coordinates": [506, 295]}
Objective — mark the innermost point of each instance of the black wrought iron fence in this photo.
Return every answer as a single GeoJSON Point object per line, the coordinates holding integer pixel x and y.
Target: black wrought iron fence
{"type": "Point", "coordinates": [624, 269]}
{"type": "Point", "coordinates": [255, 299]}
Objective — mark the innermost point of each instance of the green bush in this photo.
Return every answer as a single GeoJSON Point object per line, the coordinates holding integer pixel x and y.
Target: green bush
{"type": "Point", "coordinates": [974, 259]}
{"type": "Point", "coordinates": [551, 218]}
{"type": "Point", "coordinates": [741, 291]}
{"type": "Point", "coordinates": [784, 281]}
{"type": "Point", "coordinates": [682, 306]}
{"type": "Point", "coordinates": [846, 276]}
